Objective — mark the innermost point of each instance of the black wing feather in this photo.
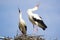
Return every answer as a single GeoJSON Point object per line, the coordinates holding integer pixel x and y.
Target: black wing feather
{"type": "Point", "coordinates": [26, 28]}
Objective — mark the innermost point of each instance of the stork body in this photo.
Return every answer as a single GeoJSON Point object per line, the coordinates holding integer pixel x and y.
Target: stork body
{"type": "Point", "coordinates": [22, 24]}
{"type": "Point", "coordinates": [35, 18]}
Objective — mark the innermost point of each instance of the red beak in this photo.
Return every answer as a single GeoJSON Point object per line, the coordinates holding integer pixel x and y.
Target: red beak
{"type": "Point", "coordinates": [37, 5]}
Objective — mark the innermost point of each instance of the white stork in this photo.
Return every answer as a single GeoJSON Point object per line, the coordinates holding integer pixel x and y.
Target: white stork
{"type": "Point", "coordinates": [22, 24]}
{"type": "Point", "coordinates": [35, 18]}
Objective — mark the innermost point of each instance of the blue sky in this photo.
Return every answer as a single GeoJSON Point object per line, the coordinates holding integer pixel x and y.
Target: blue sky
{"type": "Point", "coordinates": [49, 10]}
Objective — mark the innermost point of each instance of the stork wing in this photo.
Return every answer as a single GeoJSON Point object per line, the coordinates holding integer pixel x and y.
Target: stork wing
{"type": "Point", "coordinates": [26, 27]}
{"type": "Point", "coordinates": [23, 28]}
{"type": "Point", "coordinates": [40, 22]}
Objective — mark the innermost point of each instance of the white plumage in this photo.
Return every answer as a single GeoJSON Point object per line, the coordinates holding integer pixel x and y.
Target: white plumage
{"type": "Point", "coordinates": [22, 24]}
{"type": "Point", "coordinates": [35, 18]}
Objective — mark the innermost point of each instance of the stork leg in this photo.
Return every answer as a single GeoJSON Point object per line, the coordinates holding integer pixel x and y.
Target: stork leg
{"type": "Point", "coordinates": [35, 29]}
{"type": "Point", "coordinates": [33, 25]}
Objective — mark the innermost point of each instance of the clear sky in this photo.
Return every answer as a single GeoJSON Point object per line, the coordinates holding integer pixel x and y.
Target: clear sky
{"type": "Point", "coordinates": [49, 10]}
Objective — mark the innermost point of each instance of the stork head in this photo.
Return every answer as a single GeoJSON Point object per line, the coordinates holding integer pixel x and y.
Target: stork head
{"type": "Point", "coordinates": [19, 10]}
{"type": "Point", "coordinates": [37, 5]}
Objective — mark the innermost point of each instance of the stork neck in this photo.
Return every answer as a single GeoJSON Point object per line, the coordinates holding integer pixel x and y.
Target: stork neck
{"type": "Point", "coordinates": [34, 9]}
{"type": "Point", "coordinates": [30, 11]}
{"type": "Point", "coordinates": [20, 15]}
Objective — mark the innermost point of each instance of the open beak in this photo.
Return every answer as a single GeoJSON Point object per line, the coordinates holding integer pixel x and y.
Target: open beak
{"type": "Point", "coordinates": [19, 10]}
